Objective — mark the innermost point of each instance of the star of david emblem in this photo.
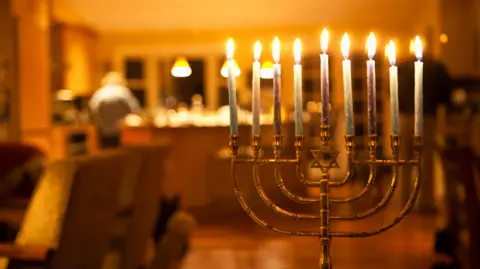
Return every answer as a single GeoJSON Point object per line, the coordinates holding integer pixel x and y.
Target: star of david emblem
{"type": "Point", "coordinates": [325, 159]}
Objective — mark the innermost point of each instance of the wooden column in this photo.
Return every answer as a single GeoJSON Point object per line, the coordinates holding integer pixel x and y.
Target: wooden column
{"type": "Point", "coordinates": [211, 74]}
{"type": "Point", "coordinates": [8, 111]}
{"type": "Point", "coordinates": [152, 82]}
{"type": "Point", "coordinates": [33, 53]}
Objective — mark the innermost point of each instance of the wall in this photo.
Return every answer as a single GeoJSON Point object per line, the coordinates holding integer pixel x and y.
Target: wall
{"type": "Point", "coordinates": [8, 125]}
{"type": "Point", "coordinates": [460, 23]}
{"type": "Point", "coordinates": [34, 105]}
{"type": "Point", "coordinates": [78, 54]}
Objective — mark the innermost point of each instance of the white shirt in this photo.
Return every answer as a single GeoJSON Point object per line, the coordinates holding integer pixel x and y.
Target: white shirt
{"type": "Point", "coordinates": [110, 104]}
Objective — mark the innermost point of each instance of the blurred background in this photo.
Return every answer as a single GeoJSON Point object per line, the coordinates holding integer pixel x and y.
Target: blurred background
{"type": "Point", "coordinates": [56, 56]}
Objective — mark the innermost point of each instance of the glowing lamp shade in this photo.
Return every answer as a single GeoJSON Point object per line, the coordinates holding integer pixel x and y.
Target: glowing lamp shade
{"type": "Point", "coordinates": [236, 70]}
{"type": "Point", "coordinates": [266, 71]}
{"type": "Point", "coordinates": [181, 68]}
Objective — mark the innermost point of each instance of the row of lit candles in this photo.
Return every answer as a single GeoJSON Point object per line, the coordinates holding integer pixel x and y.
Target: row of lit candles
{"type": "Point", "coordinates": [324, 79]}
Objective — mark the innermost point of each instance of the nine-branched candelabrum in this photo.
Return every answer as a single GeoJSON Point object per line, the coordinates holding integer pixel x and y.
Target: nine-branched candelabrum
{"type": "Point", "coordinates": [324, 183]}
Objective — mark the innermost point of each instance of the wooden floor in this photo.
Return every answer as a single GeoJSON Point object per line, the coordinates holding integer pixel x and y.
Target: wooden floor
{"type": "Point", "coordinates": [237, 243]}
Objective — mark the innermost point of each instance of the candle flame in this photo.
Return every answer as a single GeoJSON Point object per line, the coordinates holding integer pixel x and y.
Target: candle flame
{"type": "Point", "coordinates": [324, 40]}
{"type": "Point", "coordinates": [276, 50]}
{"type": "Point", "coordinates": [345, 45]}
{"type": "Point", "coordinates": [371, 45]}
{"type": "Point", "coordinates": [257, 50]}
{"type": "Point", "coordinates": [297, 50]}
{"type": "Point", "coordinates": [230, 49]}
{"type": "Point", "coordinates": [392, 54]}
{"type": "Point", "coordinates": [418, 48]}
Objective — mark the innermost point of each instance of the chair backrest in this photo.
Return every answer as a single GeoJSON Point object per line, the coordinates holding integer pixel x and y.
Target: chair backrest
{"type": "Point", "coordinates": [130, 179]}
{"type": "Point", "coordinates": [145, 207]}
{"type": "Point", "coordinates": [459, 167]}
{"type": "Point", "coordinates": [43, 220]}
{"type": "Point", "coordinates": [90, 213]}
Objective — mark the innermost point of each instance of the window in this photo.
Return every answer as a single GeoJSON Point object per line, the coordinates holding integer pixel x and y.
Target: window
{"type": "Point", "coordinates": [140, 95]}
{"type": "Point", "coordinates": [358, 84]}
{"type": "Point", "coordinates": [134, 69]}
{"type": "Point", "coordinates": [359, 129]}
{"type": "Point", "coordinates": [185, 88]}
{"type": "Point", "coordinates": [358, 107]}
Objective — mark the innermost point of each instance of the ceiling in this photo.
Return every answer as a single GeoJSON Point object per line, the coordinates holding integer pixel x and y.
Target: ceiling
{"type": "Point", "coordinates": [214, 14]}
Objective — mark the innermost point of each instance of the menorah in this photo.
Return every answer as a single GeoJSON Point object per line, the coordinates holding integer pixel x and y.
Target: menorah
{"type": "Point", "coordinates": [320, 162]}
{"type": "Point", "coordinates": [325, 148]}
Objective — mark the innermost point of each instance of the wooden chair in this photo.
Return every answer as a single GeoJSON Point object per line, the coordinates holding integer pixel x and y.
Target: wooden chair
{"type": "Point", "coordinates": [457, 139]}
{"type": "Point", "coordinates": [473, 209]}
{"type": "Point", "coordinates": [171, 249]}
{"type": "Point", "coordinates": [459, 166]}
{"type": "Point", "coordinates": [70, 215]}
{"type": "Point", "coordinates": [140, 193]}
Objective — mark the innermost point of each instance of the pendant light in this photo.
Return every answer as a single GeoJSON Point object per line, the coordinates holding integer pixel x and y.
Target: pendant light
{"type": "Point", "coordinates": [266, 71]}
{"type": "Point", "coordinates": [181, 68]}
{"type": "Point", "coordinates": [224, 70]}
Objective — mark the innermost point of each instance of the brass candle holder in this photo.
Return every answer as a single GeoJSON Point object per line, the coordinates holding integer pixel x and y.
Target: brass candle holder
{"type": "Point", "coordinates": [324, 184]}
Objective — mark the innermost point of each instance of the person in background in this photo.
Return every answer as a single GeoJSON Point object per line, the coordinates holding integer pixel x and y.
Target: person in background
{"type": "Point", "coordinates": [109, 106]}
{"type": "Point", "coordinates": [437, 85]}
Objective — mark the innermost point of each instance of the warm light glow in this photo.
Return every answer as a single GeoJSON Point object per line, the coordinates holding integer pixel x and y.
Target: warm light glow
{"type": "Point", "coordinates": [444, 38]}
{"type": "Point", "coordinates": [133, 120]}
{"type": "Point", "coordinates": [65, 95]}
{"type": "Point", "coordinates": [345, 45]}
{"type": "Point", "coordinates": [257, 50]}
{"type": "Point", "coordinates": [181, 68]}
{"type": "Point", "coordinates": [297, 50]}
{"type": "Point", "coordinates": [266, 72]}
{"type": "Point", "coordinates": [236, 69]}
{"type": "Point", "coordinates": [230, 49]}
{"type": "Point", "coordinates": [412, 45]}
{"type": "Point", "coordinates": [324, 41]}
{"type": "Point", "coordinates": [371, 45]}
{"type": "Point", "coordinates": [392, 54]}
{"type": "Point", "coordinates": [276, 50]}
{"type": "Point", "coordinates": [418, 48]}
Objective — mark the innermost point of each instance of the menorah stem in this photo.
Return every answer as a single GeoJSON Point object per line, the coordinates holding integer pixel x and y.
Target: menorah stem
{"type": "Point", "coordinates": [277, 146]}
{"type": "Point", "coordinates": [325, 237]}
{"type": "Point", "coordinates": [256, 146]}
{"type": "Point", "coordinates": [325, 261]}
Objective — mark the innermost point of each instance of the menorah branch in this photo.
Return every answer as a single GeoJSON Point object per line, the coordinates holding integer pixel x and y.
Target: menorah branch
{"type": "Point", "coordinates": [371, 178]}
{"type": "Point", "coordinates": [395, 141]}
{"type": "Point", "coordinates": [377, 207]}
{"type": "Point", "coordinates": [271, 205]}
{"type": "Point", "coordinates": [408, 207]}
{"type": "Point", "coordinates": [234, 152]}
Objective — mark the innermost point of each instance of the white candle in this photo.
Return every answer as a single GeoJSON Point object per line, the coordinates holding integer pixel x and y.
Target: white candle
{"type": "Point", "coordinates": [232, 91]}
{"type": "Point", "coordinates": [277, 91]}
{"type": "Point", "coordinates": [347, 86]}
{"type": "Point", "coordinates": [418, 88]}
{"type": "Point", "coordinates": [324, 78]}
{"type": "Point", "coordinates": [393, 89]}
{"type": "Point", "coordinates": [297, 78]}
{"type": "Point", "coordinates": [371, 87]}
{"type": "Point", "coordinates": [256, 90]}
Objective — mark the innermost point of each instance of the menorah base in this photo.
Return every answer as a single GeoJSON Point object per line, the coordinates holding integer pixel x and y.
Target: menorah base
{"type": "Point", "coordinates": [325, 260]}
{"type": "Point", "coordinates": [325, 263]}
